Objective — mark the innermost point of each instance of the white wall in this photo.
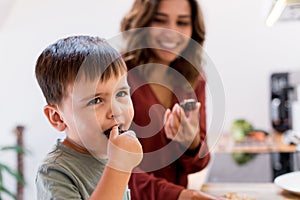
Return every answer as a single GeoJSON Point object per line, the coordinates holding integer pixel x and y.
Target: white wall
{"type": "Point", "coordinates": [243, 49]}
{"type": "Point", "coordinates": [246, 52]}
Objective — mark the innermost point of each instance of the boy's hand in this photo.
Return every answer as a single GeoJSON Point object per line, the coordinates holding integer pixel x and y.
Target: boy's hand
{"type": "Point", "coordinates": [124, 150]}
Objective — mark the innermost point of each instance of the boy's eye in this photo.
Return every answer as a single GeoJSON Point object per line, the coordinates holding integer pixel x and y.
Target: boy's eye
{"type": "Point", "coordinates": [122, 94]}
{"type": "Point", "coordinates": [95, 101]}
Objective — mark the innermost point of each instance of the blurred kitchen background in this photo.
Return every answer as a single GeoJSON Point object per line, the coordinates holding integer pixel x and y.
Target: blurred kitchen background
{"type": "Point", "coordinates": [244, 50]}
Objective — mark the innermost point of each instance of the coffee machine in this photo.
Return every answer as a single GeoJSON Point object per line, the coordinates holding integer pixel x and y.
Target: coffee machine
{"type": "Point", "coordinates": [283, 95]}
{"type": "Point", "coordinates": [285, 118]}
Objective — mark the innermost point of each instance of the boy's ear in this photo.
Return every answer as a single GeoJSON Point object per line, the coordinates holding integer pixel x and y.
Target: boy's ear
{"type": "Point", "coordinates": [54, 117]}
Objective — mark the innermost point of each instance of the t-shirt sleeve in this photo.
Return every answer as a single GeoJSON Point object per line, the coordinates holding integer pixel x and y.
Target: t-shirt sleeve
{"type": "Point", "coordinates": [55, 184]}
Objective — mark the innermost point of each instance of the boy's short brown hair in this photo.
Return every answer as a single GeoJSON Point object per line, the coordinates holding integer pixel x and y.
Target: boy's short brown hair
{"type": "Point", "coordinates": [59, 64]}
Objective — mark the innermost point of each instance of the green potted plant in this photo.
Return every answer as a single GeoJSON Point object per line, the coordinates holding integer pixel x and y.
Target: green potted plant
{"type": "Point", "coordinates": [17, 173]}
{"type": "Point", "coordinates": [6, 169]}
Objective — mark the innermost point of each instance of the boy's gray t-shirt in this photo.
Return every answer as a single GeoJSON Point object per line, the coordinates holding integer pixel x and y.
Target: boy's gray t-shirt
{"type": "Point", "coordinates": [68, 174]}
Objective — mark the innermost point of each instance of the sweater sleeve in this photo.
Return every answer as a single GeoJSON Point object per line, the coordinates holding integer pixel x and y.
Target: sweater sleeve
{"type": "Point", "coordinates": [197, 160]}
{"type": "Point", "coordinates": [146, 186]}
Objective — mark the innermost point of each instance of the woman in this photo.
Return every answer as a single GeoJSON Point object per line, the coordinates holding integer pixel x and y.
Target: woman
{"type": "Point", "coordinates": [164, 69]}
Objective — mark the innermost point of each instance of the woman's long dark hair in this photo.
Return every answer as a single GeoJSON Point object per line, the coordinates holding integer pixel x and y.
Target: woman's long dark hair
{"type": "Point", "coordinates": [140, 16]}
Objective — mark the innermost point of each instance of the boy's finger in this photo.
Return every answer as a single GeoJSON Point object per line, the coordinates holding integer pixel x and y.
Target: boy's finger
{"type": "Point", "coordinates": [114, 132]}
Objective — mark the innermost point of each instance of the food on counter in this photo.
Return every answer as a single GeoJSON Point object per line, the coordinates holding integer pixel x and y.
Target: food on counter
{"type": "Point", "coordinates": [235, 196]}
{"type": "Point", "coordinates": [240, 129]}
{"type": "Point", "coordinates": [258, 135]}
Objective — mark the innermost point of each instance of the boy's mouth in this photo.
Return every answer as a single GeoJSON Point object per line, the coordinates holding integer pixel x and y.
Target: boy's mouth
{"type": "Point", "coordinates": [107, 132]}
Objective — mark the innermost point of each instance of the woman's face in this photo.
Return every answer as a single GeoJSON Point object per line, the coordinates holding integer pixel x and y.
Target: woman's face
{"type": "Point", "coordinates": [173, 18]}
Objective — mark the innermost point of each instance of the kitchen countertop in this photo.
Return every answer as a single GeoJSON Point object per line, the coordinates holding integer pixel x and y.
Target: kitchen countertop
{"type": "Point", "coordinates": [257, 191]}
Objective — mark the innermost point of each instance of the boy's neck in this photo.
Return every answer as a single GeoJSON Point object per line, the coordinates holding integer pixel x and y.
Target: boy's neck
{"type": "Point", "coordinates": [73, 145]}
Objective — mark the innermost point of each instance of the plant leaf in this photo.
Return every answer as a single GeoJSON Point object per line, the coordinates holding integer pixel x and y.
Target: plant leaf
{"type": "Point", "coordinates": [5, 190]}
{"type": "Point", "coordinates": [16, 148]}
{"type": "Point", "coordinates": [1, 178]}
{"type": "Point", "coordinates": [17, 175]}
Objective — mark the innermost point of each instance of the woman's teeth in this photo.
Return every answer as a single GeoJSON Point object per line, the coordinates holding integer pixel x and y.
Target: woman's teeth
{"type": "Point", "coordinates": [169, 45]}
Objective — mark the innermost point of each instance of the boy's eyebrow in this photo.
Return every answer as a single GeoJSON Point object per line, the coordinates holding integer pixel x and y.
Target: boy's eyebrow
{"type": "Point", "coordinates": [92, 96]}
{"type": "Point", "coordinates": [124, 87]}
{"type": "Point", "coordinates": [103, 93]}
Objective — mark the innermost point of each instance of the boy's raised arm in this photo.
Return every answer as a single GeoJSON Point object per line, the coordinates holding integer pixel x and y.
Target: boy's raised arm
{"type": "Point", "coordinates": [125, 153]}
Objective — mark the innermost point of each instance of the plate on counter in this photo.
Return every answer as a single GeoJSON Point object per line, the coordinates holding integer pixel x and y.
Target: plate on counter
{"type": "Point", "coordinates": [289, 182]}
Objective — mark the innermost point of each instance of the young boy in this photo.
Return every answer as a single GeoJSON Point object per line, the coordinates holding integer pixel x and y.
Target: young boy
{"type": "Point", "coordinates": [84, 83]}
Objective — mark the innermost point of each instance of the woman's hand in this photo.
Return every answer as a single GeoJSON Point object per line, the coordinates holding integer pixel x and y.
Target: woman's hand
{"type": "Point", "coordinates": [124, 150]}
{"type": "Point", "coordinates": [183, 128]}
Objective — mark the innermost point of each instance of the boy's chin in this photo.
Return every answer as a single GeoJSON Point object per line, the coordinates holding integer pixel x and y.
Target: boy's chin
{"type": "Point", "coordinates": [100, 154]}
{"type": "Point", "coordinates": [99, 148]}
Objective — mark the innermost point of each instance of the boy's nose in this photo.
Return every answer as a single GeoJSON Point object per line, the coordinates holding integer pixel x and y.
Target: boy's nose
{"type": "Point", "coordinates": [111, 115]}
{"type": "Point", "coordinates": [114, 112]}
